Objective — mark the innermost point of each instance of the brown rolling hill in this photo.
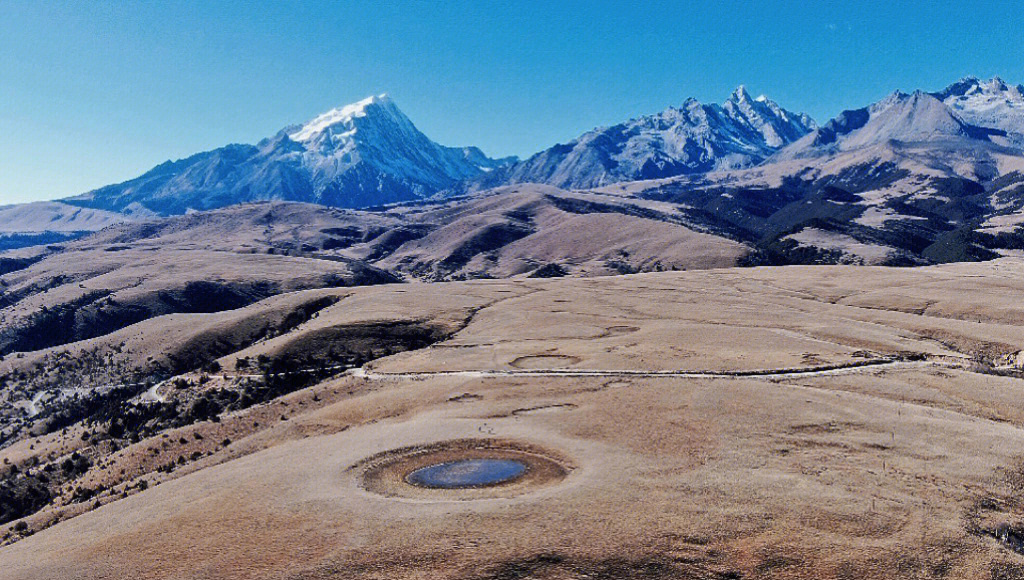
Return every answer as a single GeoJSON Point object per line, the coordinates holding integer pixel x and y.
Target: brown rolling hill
{"type": "Point", "coordinates": [497, 233]}
{"type": "Point", "coordinates": [229, 258]}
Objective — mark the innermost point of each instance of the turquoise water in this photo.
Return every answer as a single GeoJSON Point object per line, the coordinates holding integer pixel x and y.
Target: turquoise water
{"type": "Point", "coordinates": [467, 473]}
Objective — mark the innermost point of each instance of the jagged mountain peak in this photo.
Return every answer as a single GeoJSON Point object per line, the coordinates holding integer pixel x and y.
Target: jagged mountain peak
{"type": "Point", "coordinates": [692, 138]}
{"type": "Point", "coordinates": [740, 94]}
{"type": "Point", "coordinates": [972, 85]}
{"type": "Point", "coordinates": [889, 100]}
{"type": "Point", "coordinates": [776, 125]}
{"type": "Point", "coordinates": [992, 104]}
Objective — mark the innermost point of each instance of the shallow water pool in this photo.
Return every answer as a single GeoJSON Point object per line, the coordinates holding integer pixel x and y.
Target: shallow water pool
{"type": "Point", "coordinates": [467, 473]}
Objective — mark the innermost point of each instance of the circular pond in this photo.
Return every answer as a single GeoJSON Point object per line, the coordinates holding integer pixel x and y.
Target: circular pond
{"type": "Point", "coordinates": [467, 473]}
{"type": "Point", "coordinates": [462, 469]}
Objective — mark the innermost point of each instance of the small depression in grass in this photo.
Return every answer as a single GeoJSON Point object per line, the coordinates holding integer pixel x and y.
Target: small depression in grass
{"type": "Point", "coordinates": [463, 469]}
{"type": "Point", "coordinates": [467, 473]}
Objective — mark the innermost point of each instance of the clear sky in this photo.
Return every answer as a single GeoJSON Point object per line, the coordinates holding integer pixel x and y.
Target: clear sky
{"type": "Point", "coordinates": [93, 93]}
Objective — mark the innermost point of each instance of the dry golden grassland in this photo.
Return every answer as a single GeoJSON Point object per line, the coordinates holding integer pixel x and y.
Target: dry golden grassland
{"type": "Point", "coordinates": [796, 422]}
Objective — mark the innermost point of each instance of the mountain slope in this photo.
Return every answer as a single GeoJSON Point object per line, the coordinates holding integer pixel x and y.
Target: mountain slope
{"type": "Point", "coordinates": [52, 216]}
{"type": "Point", "coordinates": [693, 138]}
{"type": "Point", "coordinates": [992, 104]}
{"type": "Point", "coordinates": [367, 153]}
{"type": "Point", "coordinates": [231, 257]}
{"type": "Point", "coordinates": [746, 475]}
{"type": "Point", "coordinates": [907, 118]}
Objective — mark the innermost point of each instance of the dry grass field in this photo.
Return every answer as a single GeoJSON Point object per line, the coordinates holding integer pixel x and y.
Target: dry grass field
{"type": "Point", "coordinates": [796, 422]}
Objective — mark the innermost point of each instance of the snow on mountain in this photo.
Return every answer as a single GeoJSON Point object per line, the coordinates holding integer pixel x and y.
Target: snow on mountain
{"type": "Point", "coordinates": [905, 180]}
{"type": "Point", "coordinates": [363, 154]}
{"type": "Point", "coordinates": [335, 117]}
{"type": "Point", "coordinates": [693, 138]}
{"type": "Point", "coordinates": [777, 125]}
{"type": "Point", "coordinates": [992, 104]}
{"type": "Point", "coordinates": [900, 117]}
{"type": "Point", "coordinates": [50, 222]}
{"type": "Point", "coordinates": [374, 131]}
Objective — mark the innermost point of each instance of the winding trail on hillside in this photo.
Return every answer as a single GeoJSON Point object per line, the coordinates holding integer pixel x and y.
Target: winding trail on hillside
{"type": "Point", "coordinates": [152, 395]}
{"type": "Point", "coordinates": [826, 370]}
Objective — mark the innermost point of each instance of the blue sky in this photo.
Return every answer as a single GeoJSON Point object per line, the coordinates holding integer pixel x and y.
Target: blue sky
{"type": "Point", "coordinates": [93, 93]}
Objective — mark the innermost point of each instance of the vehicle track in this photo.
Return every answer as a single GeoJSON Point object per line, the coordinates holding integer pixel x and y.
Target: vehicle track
{"type": "Point", "coordinates": [825, 370]}
{"type": "Point", "coordinates": [152, 395]}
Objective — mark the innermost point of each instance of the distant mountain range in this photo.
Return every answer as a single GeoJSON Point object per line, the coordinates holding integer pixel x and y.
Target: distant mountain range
{"type": "Point", "coordinates": [369, 153]}
{"type": "Point", "coordinates": [914, 178]}
{"type": "Point", "coordinates": [694, 138]}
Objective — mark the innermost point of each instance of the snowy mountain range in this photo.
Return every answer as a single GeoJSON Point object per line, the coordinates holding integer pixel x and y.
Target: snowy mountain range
{"type": "Point", "coordinates": [914, 178]}
{"type": "Point", "coordinates": [983, 112]}
{"type": "Point", "coordinates": [364, 154]}
{"type": "Point", "coordinates": [991, 104]}
{"type": "Point", "coordinates": [369, 153]}
{"type": "Point", "coordinates": [693, 138]}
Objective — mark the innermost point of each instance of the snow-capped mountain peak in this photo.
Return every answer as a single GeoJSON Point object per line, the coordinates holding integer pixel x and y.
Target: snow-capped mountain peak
{"type": "Point", "coordinates": [375, 133]}
{"type": "Point", "coordinates": [692, 138]}
{"type": "Point", "coordinates": [776, 125]}
{"type": "Point", "coordinates": [740, 95]}
{"type": "Point", "coordinates": [973, 86]}
{"type": "Point", "coordinates": [339, 116]}
{"type": "Point", "coordinates": [992, 104]}
{"type": "Point", "coordinates": [363, 154]}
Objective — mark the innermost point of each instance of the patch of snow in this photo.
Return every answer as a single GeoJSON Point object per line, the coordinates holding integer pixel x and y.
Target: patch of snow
{"type": "Point", "coordinates": [336, 116]}
{"type": "Point", "coordinates": [1003, 223]}
{"type": "Point", "coordinates": [992, 104]}
{"type": "Point", "coordinates": [876, 217]}
{"type": "Point", "coordinates": [54, 216]}
{"type": "Point", "coordinates": [834, 241]}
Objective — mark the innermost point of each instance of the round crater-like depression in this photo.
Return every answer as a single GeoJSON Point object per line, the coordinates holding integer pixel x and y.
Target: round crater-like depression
{"type": "Point", "coordinates": [463, 469]}
{"type": "Point", "coordinates": [464, 473]}
{"type": "Point", "coordinates": [544, 361]}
